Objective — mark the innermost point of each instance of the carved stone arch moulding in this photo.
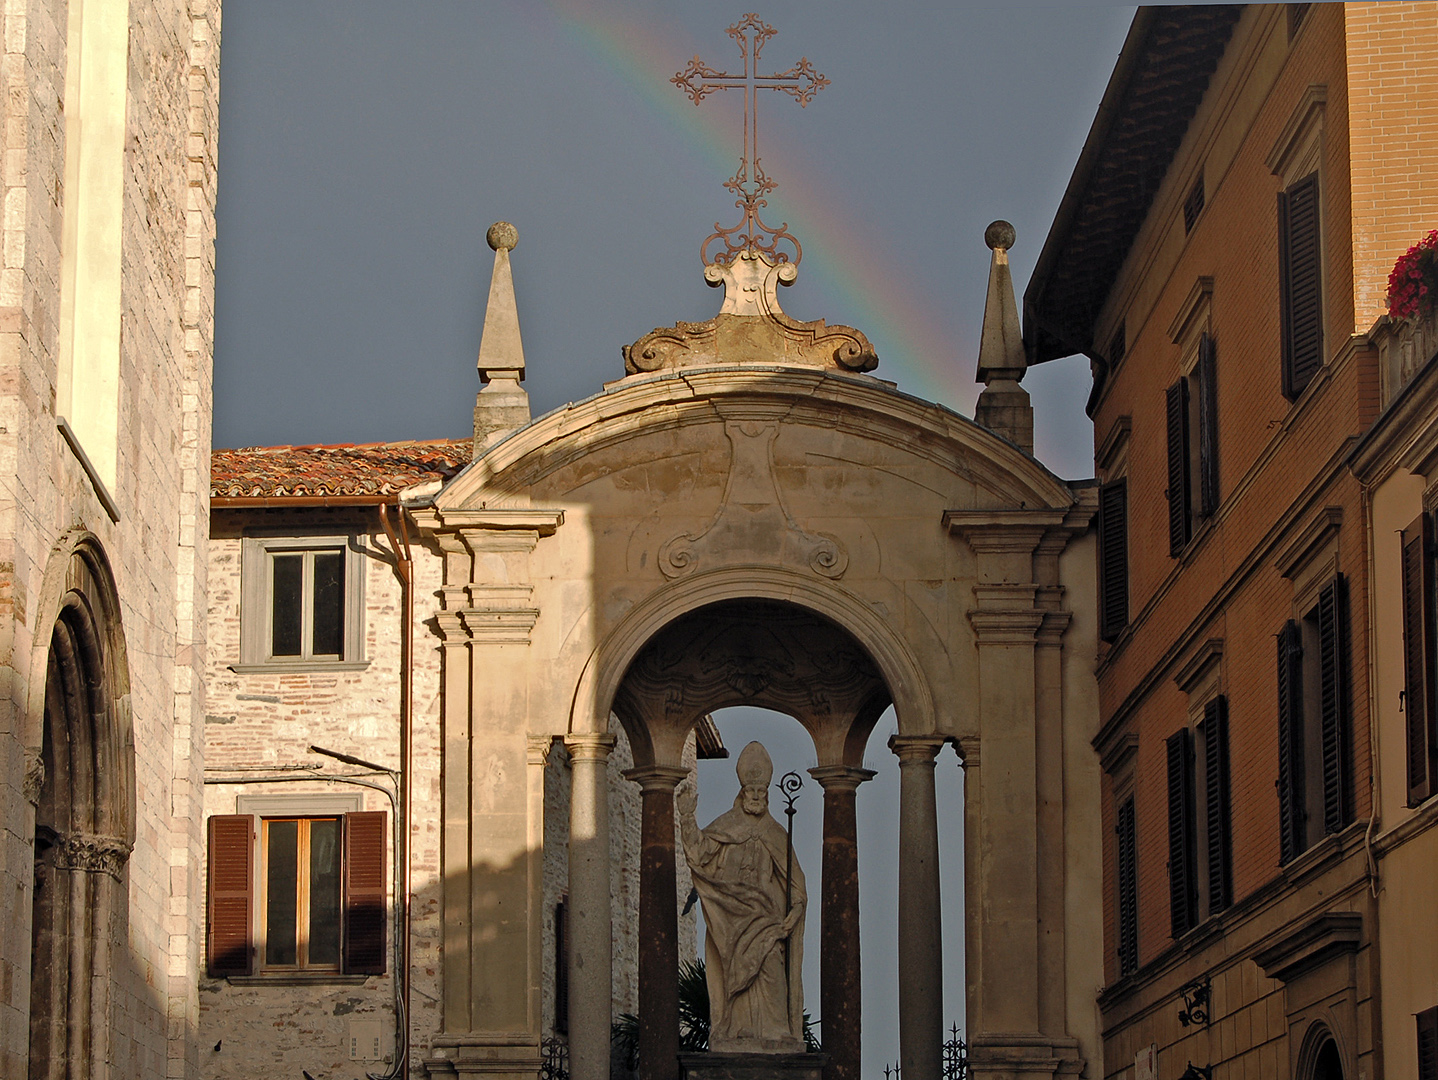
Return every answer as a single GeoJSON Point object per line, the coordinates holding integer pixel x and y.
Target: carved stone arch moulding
{"type": "Point", "coordinates": [907, 681]}
{"type": "Point", "coordinates": [78, 579]}
{"type": "Point", "coordinates": [1320, 1031]}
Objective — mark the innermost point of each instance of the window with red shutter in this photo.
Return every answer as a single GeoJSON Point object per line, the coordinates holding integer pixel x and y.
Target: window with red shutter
{"type": "Point", "coordinates": [1300, 290]}
{"type": "Point", "coordinates": [1419, 654]}
{"type": "Point", "coordinates": [230, 937]}
{"type": "Point", "coordinates": [364, 893]}
{"type": "Point", "coordinates": [1113, 558]}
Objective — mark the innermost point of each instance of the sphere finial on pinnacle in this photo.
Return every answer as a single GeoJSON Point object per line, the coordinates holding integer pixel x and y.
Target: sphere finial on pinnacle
{"type": "Point", "coordinates": [502, 236]}
{"type": "Point", "coordinates": [1000, 234]}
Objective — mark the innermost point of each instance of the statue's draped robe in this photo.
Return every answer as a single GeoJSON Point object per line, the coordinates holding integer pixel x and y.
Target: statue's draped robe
{"type": "Point", "coordinates": [738, 864]}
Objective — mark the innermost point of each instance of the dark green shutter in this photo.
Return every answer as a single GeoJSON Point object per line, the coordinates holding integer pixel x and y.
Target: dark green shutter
{"type": "Point", "coordinates": [1292, 813]}
{"type": "Point", "coordinates": [1207, 427]}
{"type": "Point", "coordinates": [1113, 558]}
{"type": "Point", "coordinates": [1333, 706]}
{"type": "Point", "coordinates": [1216, 804]}
{"type": "Point", "coordinates": [1180, 522]}
{"type": "Point", "coordinates": [1419, 658]}
{"type": "Point", "coordinates": [1300, 284]}
{"type": "Point", "coordinates": [1182, 871]}
{"type": "Point", "coordinates": [1127, 889]}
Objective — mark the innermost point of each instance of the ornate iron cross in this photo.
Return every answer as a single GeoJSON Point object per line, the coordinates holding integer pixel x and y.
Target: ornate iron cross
{"type": "Point", "coordinates": [749, 185]}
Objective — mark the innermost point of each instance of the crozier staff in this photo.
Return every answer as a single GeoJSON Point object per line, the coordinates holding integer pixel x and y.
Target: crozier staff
{"type": "Point", "coordinates": [738, 866]}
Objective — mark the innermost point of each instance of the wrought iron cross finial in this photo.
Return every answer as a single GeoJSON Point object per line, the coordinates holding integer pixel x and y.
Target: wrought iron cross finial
{"type": "Point", "coordinates": [749, 185]}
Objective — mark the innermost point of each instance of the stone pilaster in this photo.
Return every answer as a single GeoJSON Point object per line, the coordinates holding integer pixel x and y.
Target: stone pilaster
{"type": "Point", "coordinates": [590, 931]}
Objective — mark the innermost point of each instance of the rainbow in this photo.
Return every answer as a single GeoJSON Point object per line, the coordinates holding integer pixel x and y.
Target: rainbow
{"type": "Point", "coordinates": [915, 347]}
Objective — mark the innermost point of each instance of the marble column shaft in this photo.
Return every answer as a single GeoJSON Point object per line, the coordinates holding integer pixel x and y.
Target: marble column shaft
{"type": "Point", "coordinates": [840, 986]}
{"type": "Point", "coordinates": [658, 924]}
{"type": "Point", "coordinates": [590, 930]}
{"type": "Point", "coordinates": [921, 990]}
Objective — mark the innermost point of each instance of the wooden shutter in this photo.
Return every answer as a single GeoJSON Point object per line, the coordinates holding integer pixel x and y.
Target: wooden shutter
{"type": "Point", "coordinates": [1207, 427]}
{"type": "Point", "coordinates": [1180, 523]}
{"type": "Point", "coordinates": [1182, 892]}
{"type": "Point", "coordinates": [1300, 291]}
{"type": "Point", "coordinates": [364, 874]}
{"type": "Point", "coordinates": [1127, 889]}
{"type": "Point", "coordinates": [1333, 706]}
{"type": "Point", "coordinates": [1113, 558]}
{"type": "Point", "coordinates": [1428, 1044]}
{"type": "Point", "coordinates": [229, 944]}
{"type": "Point", "coordinates": [1216, 804]}
{"type": "Point", "coordinates": [1419, 658]}
{"type": "Point", "coordinates": [1292, 812]}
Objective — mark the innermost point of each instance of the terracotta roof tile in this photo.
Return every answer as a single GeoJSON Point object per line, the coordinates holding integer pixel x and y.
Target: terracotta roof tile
{"type": "Point", "coordinates": [343, 469]}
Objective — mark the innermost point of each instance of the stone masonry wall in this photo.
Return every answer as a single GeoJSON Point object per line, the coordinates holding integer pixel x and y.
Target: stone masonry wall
{"type": "Point", "coordinates": [161, 491]}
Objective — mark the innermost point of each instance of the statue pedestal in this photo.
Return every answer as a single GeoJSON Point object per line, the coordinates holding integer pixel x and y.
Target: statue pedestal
{"type": "Point", "coordinates": [722, 1066]}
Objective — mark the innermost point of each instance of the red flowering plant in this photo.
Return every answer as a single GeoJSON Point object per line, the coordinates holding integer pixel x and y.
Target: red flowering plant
{"type": "Point", "coordinates": [1413, 284]}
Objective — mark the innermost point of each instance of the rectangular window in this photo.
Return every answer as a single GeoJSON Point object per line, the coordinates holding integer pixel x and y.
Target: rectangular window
{"type": "Point", "coordinates": [316, 904]}
{"type": "Point", "coordinates": [1192, 406]}
{"type": "Point", "coordinates": [1182, 845]}
{"type": "Point", "coordinates": [561, 968]}
{"type": "Point", "coordinates": [1428, 1044]}
{"type": "Point", "coordinates": [1419, 656]}
{"type": "Point", "coordinates": [301, 907]}
{"type": "Point", "coordinates": [1193, 205]}
{"type": "Point", "coordinates": [1315, 753]}
{"type": "Point", "coordinates": [1300, 285]}
{"type": "Point", "coordinates": [301, 602]}
{"type": "Point", "coordinates": [1127, 889]}
{"type": "Point", "coordinates": [1217, 841]}
{"type": "Point", "coordinates": [1180, 494]}
{"type": "Point", "coordinates": [1113, 558]}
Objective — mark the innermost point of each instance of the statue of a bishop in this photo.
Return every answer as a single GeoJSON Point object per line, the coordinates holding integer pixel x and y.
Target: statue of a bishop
{"type": "Point", "coordinates": [756, 999]}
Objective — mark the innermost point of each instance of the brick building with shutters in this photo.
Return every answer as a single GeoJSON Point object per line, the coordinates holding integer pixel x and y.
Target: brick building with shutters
{"type": "Point", "coordinates": [318, 662]}
{"type": "Point", "coordinates": [1221, 256]}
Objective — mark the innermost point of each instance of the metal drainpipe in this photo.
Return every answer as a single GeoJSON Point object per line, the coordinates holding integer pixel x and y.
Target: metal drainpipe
{"type": "Point", "coordinates": [404, 570]}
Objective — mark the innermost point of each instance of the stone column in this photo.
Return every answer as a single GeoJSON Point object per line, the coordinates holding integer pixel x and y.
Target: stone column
{"type": "Point", "coordinates": [921, 954]}
{"type": "Point", "coordinates": [658, 924]}
{"type": "Point", "coordinates": [839, 983]}
{"type": "Point", "coordinates": [591, 946]}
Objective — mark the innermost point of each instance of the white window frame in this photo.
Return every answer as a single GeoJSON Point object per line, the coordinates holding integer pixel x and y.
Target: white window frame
{"type": "Point", "coordinates": [257, 603]}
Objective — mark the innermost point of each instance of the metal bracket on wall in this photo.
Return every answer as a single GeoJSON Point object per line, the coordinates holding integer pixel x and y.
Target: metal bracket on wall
{"type": "Point", "coordinates": [1196, 996]}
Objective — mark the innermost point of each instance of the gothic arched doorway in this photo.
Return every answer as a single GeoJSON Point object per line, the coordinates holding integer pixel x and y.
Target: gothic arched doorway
{"type": "Point", "coordinates": [81, 781]}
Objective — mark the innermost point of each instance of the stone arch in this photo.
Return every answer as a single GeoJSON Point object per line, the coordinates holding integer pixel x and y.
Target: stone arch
{"type": "Point", "coordinates": [81, 783]}
{"type": "Point", "coordinates": [605, 669]}
{"type": "Point", "coordinates": [1321, 1055]}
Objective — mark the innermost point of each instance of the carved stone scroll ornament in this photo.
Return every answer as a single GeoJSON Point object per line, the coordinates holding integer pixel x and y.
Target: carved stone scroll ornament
{"type": "Point", "coordinates": [752, 523]}
{"type": "Point", "coordinates": [751, 328]}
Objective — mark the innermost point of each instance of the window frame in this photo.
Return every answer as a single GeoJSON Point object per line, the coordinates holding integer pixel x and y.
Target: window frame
{"type": "Point", "coordinates": [257, 603]}
{"type": "Point", "coordinates": [1296, 157]}
{"type": "Point", "coordinates": [302, 964]}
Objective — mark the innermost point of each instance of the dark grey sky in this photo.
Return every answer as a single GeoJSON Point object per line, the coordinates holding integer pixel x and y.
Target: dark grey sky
{"type": "Point", "coordinates": [365, 147]}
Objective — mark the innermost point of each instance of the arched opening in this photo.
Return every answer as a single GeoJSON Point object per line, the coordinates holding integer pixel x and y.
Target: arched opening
{"type": "Point", "coordinates": [81, 782]}
{"type": "Point", "coordinates": [782, 657]}
{"type": "Point", "coordinates": [1327, 1064]}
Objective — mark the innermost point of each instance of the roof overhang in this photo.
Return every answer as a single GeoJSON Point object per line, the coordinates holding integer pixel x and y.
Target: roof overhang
{"type": "Point", "coordinates": [1162, 73]}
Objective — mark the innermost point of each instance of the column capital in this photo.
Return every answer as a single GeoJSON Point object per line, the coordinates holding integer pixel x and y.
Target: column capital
{"type": "Point", "coordinates": [589, 745]}
{"type": "Point", "coordinates": [841, 778]}
{"type": "Point", "coordinates": [657, 777]}
{"type": "Point", "coordinates": [537, 748]}
{"type": "Point", "coordinates": [917, 749]}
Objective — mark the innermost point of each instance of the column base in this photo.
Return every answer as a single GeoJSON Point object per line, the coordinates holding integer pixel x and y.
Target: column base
{"type": "Point", "coordinates": [1001, 1056]}
{"type": "Point", "coordinates": [719, 1066]}
{"type": "Point", "coordinates": [475, 1055]}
